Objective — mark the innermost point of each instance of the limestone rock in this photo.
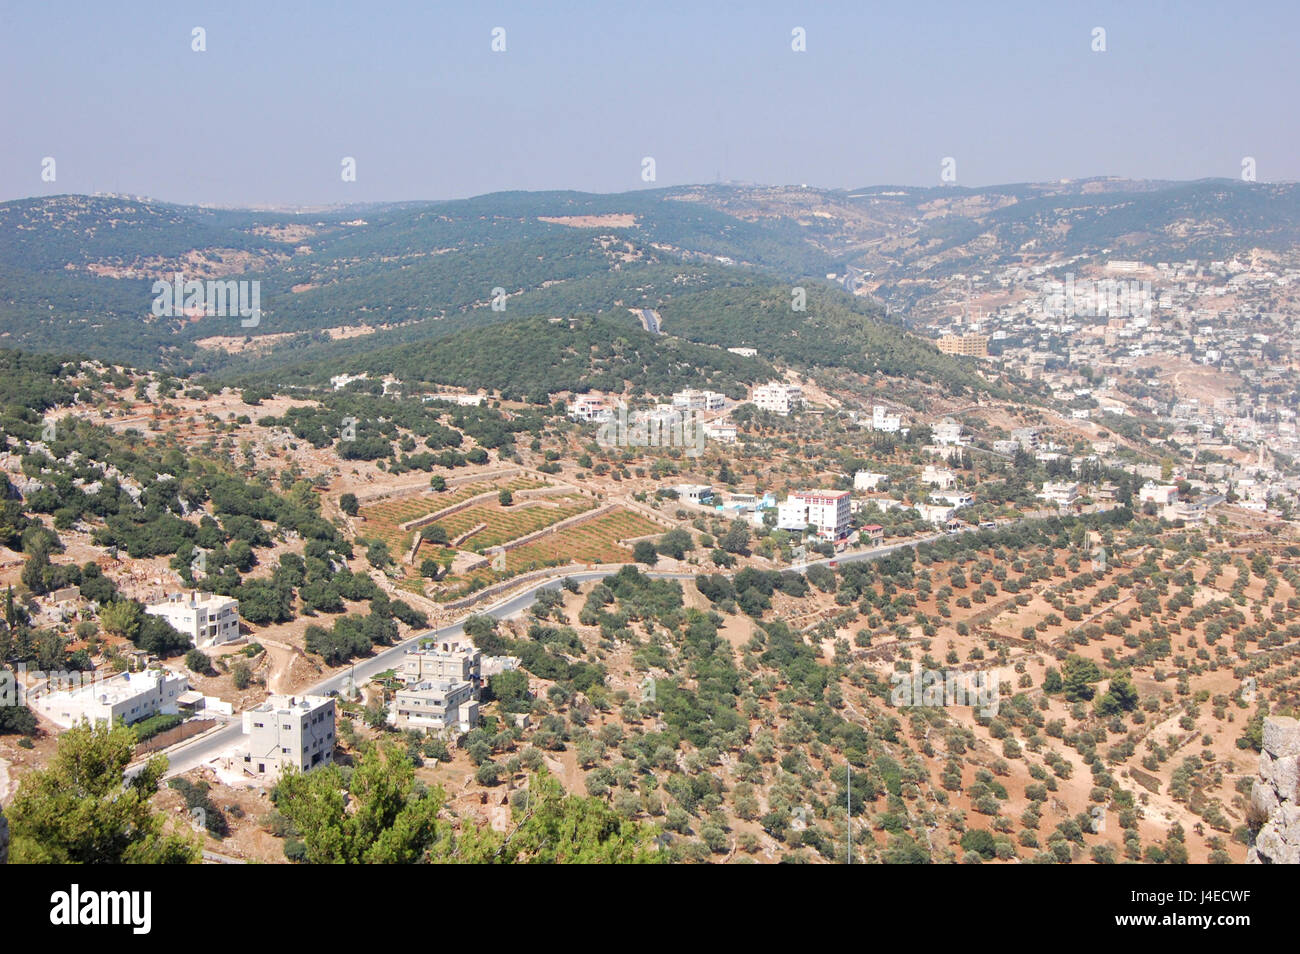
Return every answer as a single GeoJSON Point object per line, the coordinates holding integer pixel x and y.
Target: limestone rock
{"type": "Point", "coordinates": [1281, 736]}
{"type": "Point", "coordinates": [1286, 778]}
{"type": "Point", "coordinates": [1275, 795]}
{"type": "Point", "coordinates": [1263, 798]}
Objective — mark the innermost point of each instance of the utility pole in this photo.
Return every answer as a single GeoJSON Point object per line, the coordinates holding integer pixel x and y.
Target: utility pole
{"type": "Point", "coordinates": [848, 806]}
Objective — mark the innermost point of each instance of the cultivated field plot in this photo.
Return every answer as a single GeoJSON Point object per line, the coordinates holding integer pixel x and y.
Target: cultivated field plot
{"type": "Point", "coordinates": [509, 523]}
{"type": "Point", "coordinates": [383, 519]}
{"type": "Point", "coordinates": [594, 541]}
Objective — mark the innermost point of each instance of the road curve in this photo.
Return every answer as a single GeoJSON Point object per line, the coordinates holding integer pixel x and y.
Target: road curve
{"type": "Point", "coordinates": [205, 748]}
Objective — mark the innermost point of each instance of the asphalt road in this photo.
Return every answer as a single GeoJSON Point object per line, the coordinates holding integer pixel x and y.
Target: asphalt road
{"type": "Point", "coordinates": [204, 749]}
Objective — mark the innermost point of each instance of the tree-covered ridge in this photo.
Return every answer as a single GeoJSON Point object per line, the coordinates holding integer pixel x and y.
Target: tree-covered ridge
{"type": "Point", "coordinates": [531, 358]}
{"type": "Point", "coordinates": [833, 331]}
{"type": "Point", "coordinates": [77, 271]}
{"type": "Point", "coordinates": [50, 233]}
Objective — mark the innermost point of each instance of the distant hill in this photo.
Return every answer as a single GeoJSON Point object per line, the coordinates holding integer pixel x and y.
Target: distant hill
{"type": "Point", "coordinates": [76, 271]}
{"type": "Point", "coordinates": [905, 230]}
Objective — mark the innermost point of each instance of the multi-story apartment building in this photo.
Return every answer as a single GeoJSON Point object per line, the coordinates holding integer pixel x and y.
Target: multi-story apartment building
{"type": "Point", "coordinates": [695, 400]}
{"type": "Point", "coordinates": [449, 659]}
{"type": "Point", "coordinates": [206, 618]}
{"type": "Point", "coordinates": [1062, 493]}
{"type": "Point", "coordinates": [778, 397]}
{"type": "Point", "coordinates": [289, 730]}
{"type": "Point", "coordinates": [827, 510]}
{"type": "Point", "coordinates": [971, 346]}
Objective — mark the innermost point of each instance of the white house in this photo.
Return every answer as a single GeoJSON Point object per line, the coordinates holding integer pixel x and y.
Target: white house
{"type": "Point", "coordinates": [129, 696]}
{"type": "Point", "coordinates": [1162, 495]}
{"type": "Point", "coordinates": [867, 480]}
{"type": "Point", "coordinates": [937, 514]}
{"type": "Point", "coordinates": [435, 705]}
{"type": "Point", "coordinates": [206, 618]}
{"type": "Point", "coordinates": [1063, 493]}
{"type": "Point", "coordinates": [289, 730]}
{"type": "Point", "coordinates": [778, 397]}
{"type": "Point", "coordinates": [939, 477]}
{"type": "Point", "coordinates": [699, 400]}
{"type": "Point", "coordinates": [882, 420]}
{"type": "Point", "coordinates": [947, 432]}
{"type": "Point", "coordinates": [588, 408]}
{"type": "Point", "coordinates": [723, 432]}
{"type": "Point", "coordinates": [700, 494]}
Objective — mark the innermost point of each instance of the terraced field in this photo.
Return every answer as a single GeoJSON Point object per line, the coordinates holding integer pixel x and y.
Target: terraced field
{"type": "Point", "coordinates": [384, 519]}
{"type": "Point", "coordinates": [509, 523]}
{"type": "Point", "coordinates": [594, 541]}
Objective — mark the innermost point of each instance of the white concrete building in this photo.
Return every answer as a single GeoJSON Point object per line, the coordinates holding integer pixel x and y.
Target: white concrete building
{"type": "Point", "coordinates": [1188, 512]}
{"type": "Point", "coordinates": [289, 730]}
{"type": "Point", "coordinates": [1062, 493]}
{"type": "Point", "coordinates": [206, 618]}
{"type": "Point", "coordinates": [947, 432]}
{"type": "Point", "coordinates": [435, 705]}
{"type": "Point", "coordinates": [827, 510]}
{"type": "Point", "coordinates": [1026, 437]}
{"type": "Point", "coordinates": [700, 494]}
{"type": "Point", "coordinates": [588, 408]}
{"type": "Point", "coordinates": [939, 477]}
{"type": "Point", "coordinates": [778, 397]}
{"type": "Point", "coordinates": [699, 400]}
{"type": "Point", "coordinates": [882, 420]}
{"type": "Point", "coordinates": [867, 480]}
{"type": "Point", "coordinates": [938, 514]}
{"type": "Point", "coordinates": [458, 660]}
{"type": "Point", "coordinates": [723, 432]}
{"type": "Point", "coordinates": [129, 696]}
{"type": "Point", "coordinates": [1162, 495]}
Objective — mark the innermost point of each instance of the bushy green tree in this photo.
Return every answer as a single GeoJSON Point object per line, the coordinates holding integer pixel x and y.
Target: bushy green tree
{"type": "Point", "coordinates": [80, 810]}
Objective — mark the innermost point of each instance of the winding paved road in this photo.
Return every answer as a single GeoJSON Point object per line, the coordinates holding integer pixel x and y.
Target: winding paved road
{"type": "Point", "coordinates": [205, 748]}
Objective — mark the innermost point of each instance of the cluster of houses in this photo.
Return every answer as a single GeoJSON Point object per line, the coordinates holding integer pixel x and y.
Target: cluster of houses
{"type": "Point", "coordinates": [441, 692]}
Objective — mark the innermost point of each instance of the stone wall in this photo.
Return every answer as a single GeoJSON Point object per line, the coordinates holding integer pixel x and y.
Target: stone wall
{"type": "Point", "coordinates": [1275, 795]}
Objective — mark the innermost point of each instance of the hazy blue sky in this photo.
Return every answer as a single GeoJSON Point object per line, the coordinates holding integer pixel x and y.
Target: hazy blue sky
{"type": "Point", "coordinates": [583, 91]}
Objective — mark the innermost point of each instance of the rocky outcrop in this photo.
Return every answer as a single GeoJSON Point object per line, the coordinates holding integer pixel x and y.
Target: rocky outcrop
{"type": "Point", "coordinates": [1275, 796]}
